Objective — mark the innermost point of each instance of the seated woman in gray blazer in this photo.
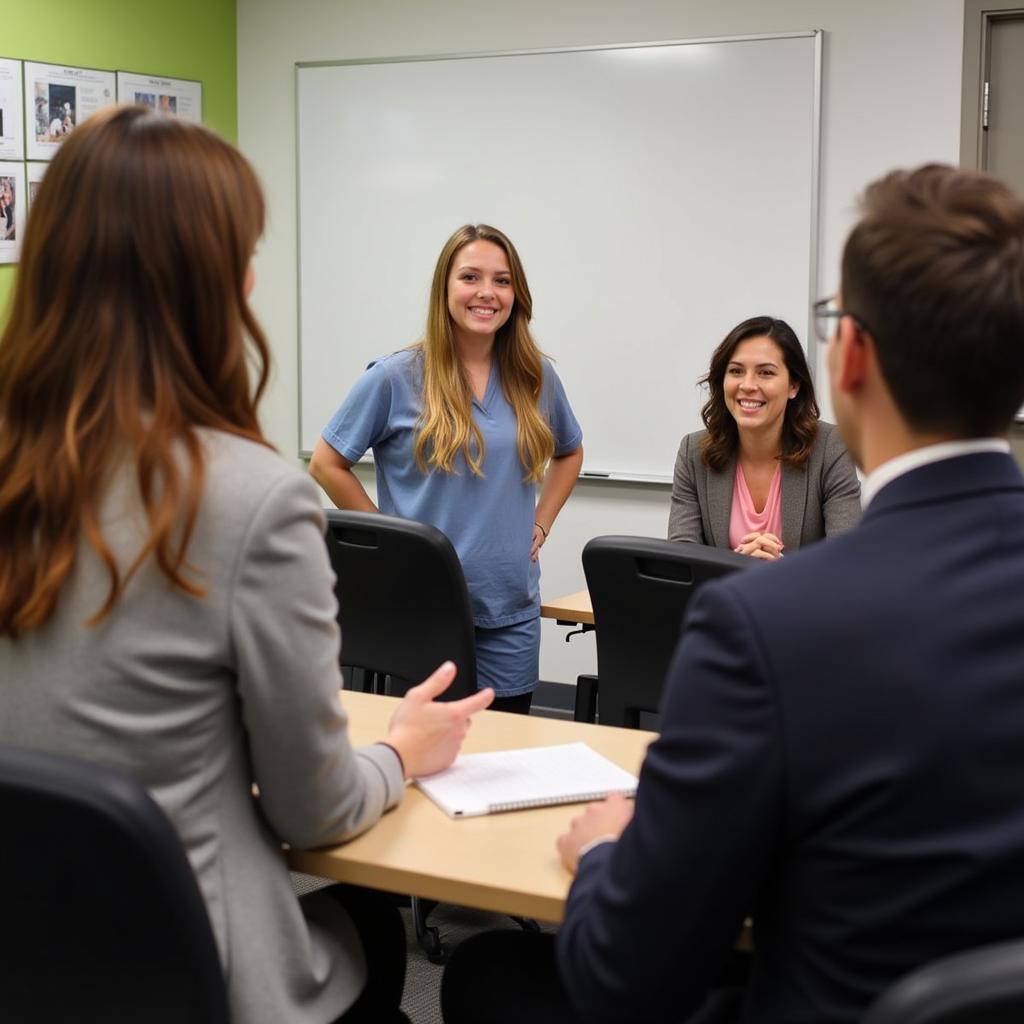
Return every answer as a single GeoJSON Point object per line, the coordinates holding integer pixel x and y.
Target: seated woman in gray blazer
{"type": "Point", "coordinates": [166, 603]}
{"type": "Point", "coordinates": [767, 475]}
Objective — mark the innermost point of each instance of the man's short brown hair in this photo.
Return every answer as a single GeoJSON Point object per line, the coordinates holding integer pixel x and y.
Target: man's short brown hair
{"type": "Point", "coordinates": [934, 270]}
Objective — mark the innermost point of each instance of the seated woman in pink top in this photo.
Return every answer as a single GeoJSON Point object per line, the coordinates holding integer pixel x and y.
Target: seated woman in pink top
{"type": "Point", "coordinates": [767, 475]}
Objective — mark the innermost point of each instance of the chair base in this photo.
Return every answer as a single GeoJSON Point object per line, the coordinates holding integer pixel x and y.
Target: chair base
{"type": "Point", "coordinates": [428, 937]}
{"type": "Point", "coordinates": [585, 706]}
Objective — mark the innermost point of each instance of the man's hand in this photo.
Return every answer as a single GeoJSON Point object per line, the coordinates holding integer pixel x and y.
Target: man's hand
{"type": "Point", "coordinates": [606, 819]}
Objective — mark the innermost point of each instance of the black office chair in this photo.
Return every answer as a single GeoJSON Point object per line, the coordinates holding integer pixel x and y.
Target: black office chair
{"type": "Point", "coordinates": [403, 606]}
{"type": "Point", "coordinates": [980, 986]}
{"type": "Point", "coordinates": [640, 587]}
{"type": "Point", "coordinates": [102, 917]}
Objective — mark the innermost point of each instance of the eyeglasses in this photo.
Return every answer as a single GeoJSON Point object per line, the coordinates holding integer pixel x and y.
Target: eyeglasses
{"type": "Point", "coordinates": [826, 310]}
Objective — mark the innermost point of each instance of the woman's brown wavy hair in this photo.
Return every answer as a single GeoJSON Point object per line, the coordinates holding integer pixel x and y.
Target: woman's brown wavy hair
{"type": "Point", "coordinates": [127, 331]}
{"type": "Point", "coordinates": [446, 426]}
{"type": "Point", "coordinates": [800, 425]}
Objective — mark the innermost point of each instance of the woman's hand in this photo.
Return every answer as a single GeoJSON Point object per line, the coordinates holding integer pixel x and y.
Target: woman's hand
{"type": "Point", "coordinates": [605, 820]}
{"type": "Point", "coordinates": [427, 734]}
{"type": "Point", "coordinates": [537, 541]}
{"type": "Point", "coordinates": [559, 481]}
{"type": "Point", "coordinates": [765, 546]}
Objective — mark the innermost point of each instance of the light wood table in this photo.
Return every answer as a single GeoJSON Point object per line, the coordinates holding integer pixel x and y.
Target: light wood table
{"type": "Point", "coordinates": [576, 610]}
{"type": "Point", "coordinates": [501, 862]}
{"type": "Point", "coordinates": [571, 608]}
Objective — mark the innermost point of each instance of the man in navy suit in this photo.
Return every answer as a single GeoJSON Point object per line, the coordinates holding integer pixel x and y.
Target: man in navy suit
{"type": "Point", "coordinates": [842, 746]}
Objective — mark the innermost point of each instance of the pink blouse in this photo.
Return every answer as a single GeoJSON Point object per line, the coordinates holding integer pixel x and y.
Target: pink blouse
{"type": "Point", "coordinates": [745, 519]}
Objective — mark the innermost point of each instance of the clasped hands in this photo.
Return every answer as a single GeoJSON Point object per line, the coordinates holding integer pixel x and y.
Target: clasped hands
{"type": "Point", "coordinates": [765, 546]}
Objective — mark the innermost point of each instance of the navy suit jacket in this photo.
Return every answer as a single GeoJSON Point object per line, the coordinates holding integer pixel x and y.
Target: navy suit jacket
{"type": "Point", "coordinates": [841, 757]}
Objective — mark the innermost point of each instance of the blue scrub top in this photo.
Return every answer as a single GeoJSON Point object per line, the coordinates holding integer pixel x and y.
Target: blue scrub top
{"type": "Point", "coordinates": [489, 520]}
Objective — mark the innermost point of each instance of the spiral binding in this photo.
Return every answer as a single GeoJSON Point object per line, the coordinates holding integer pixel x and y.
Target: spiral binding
{"type": "Point", "coordinates": [548, 801]}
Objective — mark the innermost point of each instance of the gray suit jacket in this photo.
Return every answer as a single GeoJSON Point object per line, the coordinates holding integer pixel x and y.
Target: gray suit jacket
{"type": "Point", "coordinates": [819, 499]}
{"type": "Point", "coordinates": [199, 698]}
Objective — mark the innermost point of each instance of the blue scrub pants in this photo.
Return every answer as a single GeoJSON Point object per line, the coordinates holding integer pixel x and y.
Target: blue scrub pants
{"type": "Point", "coordinates": [508, 658]}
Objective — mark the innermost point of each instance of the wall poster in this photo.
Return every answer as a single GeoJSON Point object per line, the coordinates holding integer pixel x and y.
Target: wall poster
{"type": "Point", "coordinates": [57, 98]}
{"type": "Point", "coordinates": [12, 129]}
{"type": "Point", "coordinates": [33, 176]}
{"type": "Point", "coordinates": [12, 210]}
{"type": "Point", "coordinates": [175, 96]}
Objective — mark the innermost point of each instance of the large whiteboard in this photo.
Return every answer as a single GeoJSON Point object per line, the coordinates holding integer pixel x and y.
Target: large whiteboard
{"type": "Point", "coordinates": [658, 194]}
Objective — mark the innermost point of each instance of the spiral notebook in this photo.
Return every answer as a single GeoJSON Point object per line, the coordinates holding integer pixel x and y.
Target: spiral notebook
{"type": "Point", "coordinates": [511, 780]}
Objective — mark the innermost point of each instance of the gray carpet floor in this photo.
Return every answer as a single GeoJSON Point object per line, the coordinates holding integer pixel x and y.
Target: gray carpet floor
{"type": "Point", "coordinates": [423, 979]}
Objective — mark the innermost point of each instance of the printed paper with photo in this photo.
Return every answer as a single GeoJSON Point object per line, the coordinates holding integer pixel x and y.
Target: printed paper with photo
{"type": "Point", "coordinates": [12, 137]}
{"type": "Point", "coordinates": [177, 97]}
{"type": "Point", "coordinates": [12, 210]}
{"type": "Point", "coordinates": [33, 176]}
{"type": "Point", "coordinates": [57, 99]}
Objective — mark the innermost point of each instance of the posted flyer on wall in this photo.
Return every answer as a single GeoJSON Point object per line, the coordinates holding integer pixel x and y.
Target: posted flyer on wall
{"type": "Point", "coordinates": [176, 96]}
{"type": "Point", "coordinates": [33, 176]}
{"type": "Point", "coordinates": [57, 98]}
{"type": "Point", "coordinates": [12, 138]}
{"type": "Point", "coordinates": [12, 210]}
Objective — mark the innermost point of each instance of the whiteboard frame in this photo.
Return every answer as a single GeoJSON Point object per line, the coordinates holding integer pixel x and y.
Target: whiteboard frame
{"type": "Point", "coordinates": [591, 473]}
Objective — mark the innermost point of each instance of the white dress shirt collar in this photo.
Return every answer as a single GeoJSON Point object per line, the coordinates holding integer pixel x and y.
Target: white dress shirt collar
{"type": "Point", "coordinates": [918, 457]}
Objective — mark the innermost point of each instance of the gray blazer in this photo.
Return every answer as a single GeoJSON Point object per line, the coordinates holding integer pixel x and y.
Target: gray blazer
{"type": "Point", "coordinates": [819, 499]}
{"type": "Point", "coordinates": [201, 698]}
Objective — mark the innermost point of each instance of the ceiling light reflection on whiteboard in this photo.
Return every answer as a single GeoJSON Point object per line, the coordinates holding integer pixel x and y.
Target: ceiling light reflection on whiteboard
{"type": "Point", "coordinates": [669, 52]}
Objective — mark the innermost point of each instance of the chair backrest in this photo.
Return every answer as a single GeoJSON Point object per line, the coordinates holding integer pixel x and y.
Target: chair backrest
{"type": "Point", "coordinates": [403, 606]}
{"type": "Point", "coordinates": [981, 986]}
{"type": "Point", "coordinates": [102, 916]}
{"type": "Point", "coordinates": [640, 587]}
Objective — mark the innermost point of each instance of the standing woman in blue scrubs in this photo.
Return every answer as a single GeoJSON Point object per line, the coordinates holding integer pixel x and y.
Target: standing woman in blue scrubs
{"type": "Point", "coordinates": [464, 426]}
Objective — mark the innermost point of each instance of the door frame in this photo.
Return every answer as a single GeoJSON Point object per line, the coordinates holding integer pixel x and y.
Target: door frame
{"type": "Point", "coordinates": [978, 18]}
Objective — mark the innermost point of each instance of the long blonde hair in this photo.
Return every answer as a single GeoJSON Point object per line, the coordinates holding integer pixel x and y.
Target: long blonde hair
{"type": "Point", "coordinates": [446, 425]}
{"type": "Point", "coordinates": [127, 332]}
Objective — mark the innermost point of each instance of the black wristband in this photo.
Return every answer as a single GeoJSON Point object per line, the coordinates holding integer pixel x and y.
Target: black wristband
{"type": "Point", "coordinates": [401, 763]}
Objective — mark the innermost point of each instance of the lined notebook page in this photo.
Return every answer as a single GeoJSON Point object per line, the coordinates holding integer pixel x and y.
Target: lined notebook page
{"type": "Point", "coordinates": [509, 780]}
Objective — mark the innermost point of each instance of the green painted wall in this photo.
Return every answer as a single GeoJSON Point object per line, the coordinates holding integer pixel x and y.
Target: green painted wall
{"type": "Point", "coordinates": [194, 39]}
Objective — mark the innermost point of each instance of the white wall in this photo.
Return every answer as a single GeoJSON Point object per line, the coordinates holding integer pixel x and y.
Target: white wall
{"type": "Point", "coordinates": [891, 98]}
